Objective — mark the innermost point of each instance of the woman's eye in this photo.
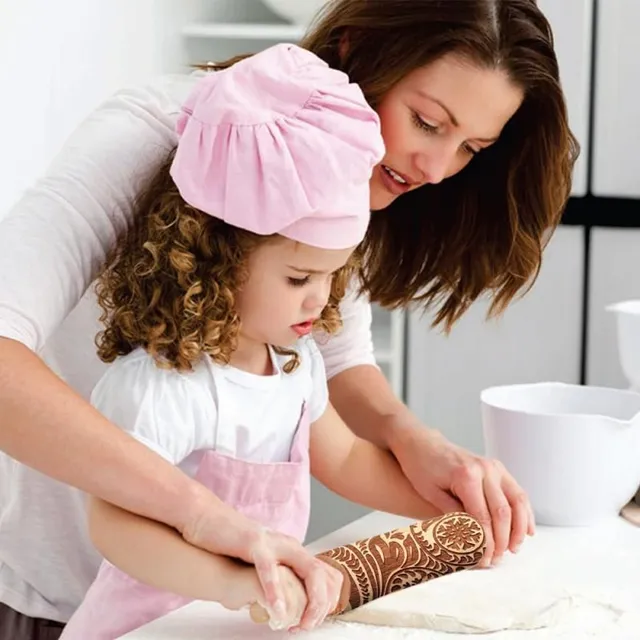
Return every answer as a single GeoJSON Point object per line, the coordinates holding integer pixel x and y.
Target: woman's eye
{"type": "Point", "coordinates": [298, 282]}
{"type": "Point", "coordinates": [423, 124]}
{"type": "Point", "coordinates": [470, 150]}
{"type": "Point", "coordinates": [431, 128]}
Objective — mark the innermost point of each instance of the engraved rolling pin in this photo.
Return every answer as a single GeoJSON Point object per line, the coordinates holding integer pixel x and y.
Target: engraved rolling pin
{"type": "Point", "coordinates": [377, 566]}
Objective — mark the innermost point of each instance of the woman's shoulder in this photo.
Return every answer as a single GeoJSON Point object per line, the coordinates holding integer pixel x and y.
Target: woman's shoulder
{"type": "Point", "coordinates": [162, 95]}
{"type": "Point", "coordinates": [138, 120]}
{"type": "Point", "coordinates": [80, 206]}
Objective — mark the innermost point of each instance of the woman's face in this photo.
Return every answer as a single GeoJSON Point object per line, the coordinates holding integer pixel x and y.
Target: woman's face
{"type": "Point", "coordinates": [435, 120]}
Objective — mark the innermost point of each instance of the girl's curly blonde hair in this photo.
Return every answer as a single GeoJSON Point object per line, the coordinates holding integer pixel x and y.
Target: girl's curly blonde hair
{"type": "Point", "coordinates": [170, 284]}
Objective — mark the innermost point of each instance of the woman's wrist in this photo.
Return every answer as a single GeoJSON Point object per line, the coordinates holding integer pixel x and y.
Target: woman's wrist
{"type": "Point", "coordinates": [210, 524]}
{"type": "Point", "coordinates": [401, 430]}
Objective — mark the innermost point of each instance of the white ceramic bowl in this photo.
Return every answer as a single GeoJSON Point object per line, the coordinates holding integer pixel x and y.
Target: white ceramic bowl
{"type": "Point", "coordinates": [574, 449]}
{"type": "Point", "coordinates": [628, 331]}
{"type": "Point", "coordinates": [297, 11]}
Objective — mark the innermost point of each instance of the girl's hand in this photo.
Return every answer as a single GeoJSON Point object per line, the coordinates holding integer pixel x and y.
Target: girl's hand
{"type": "Point", "coordinates": [321, 582]}
{"type": "Point", "coordinates": [296, 602]}
{"type": "Point", "coordinates": [245, 590]}
{"type": "Point", "coordinates": [217, 528]}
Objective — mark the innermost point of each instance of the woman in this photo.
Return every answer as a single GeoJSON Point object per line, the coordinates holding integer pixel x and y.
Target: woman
{"type": "Point", "coordinates": [476, 174]}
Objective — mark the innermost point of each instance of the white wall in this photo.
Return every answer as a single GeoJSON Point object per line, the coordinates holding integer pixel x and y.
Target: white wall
{"type": "Point", "coordinates": [536, 339]}
{"type": "Point", "coordinates": [58, 60]}
{"type": "Point", "coordinates": [614, 277]}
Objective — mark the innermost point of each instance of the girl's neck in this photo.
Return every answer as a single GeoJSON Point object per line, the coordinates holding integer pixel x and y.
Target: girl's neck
{"type": "Point", "coordinates": [253, 357]}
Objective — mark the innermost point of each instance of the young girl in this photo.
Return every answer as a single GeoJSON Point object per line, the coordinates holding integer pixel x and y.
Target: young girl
{"type": "Point", "coordinates": [243, 244]}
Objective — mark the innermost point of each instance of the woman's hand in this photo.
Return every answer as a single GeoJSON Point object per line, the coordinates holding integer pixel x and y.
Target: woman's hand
{"type": "Point", "coordinates": [456, 480]}
{"type": "Point", "coordinates": [217, 528]}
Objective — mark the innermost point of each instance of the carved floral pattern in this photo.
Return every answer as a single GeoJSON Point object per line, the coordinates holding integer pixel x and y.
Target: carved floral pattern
{"type": "Point", "coordinates": [406, 557]}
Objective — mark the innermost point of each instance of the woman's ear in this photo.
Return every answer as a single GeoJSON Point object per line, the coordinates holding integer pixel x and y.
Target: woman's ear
{"type": "Point", "coordinates": [343, 47]}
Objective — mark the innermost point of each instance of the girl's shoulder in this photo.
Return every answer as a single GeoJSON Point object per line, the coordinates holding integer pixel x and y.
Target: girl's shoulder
{"type": "Point", "coordinates": [312, 370]}
{"type": "Point", "coordinates": [169, 411]}
{"type": "Point", "coordinates": [137, 374]}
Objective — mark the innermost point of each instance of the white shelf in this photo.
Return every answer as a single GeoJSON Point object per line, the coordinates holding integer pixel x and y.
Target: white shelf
{"type": "Point", "coordinates": [244, 31]}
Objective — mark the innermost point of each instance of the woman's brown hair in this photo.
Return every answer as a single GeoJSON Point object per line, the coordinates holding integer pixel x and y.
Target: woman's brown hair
{"type": "Point", "coordinates": [484, 229]}
{"type": "Point", "coordinates": [170, 284]}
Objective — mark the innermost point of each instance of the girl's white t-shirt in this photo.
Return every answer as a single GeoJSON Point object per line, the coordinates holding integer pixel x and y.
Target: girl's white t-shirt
{"type": "Point", "coordinates": [52, 244]}
{"type": "Point", "coordinates": [213, 408]}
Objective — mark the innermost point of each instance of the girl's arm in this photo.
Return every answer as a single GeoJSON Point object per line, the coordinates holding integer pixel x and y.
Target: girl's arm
{"type": "Point", "coordinates": [362, 472]}
{"type": "Point", "coordinates": [158, 556]}
{"type": "Point", "coordinates": [172, 414]}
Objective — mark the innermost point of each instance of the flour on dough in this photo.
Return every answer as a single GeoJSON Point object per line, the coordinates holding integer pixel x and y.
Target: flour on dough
{"type": "Point", "coordinates": [478, 601]}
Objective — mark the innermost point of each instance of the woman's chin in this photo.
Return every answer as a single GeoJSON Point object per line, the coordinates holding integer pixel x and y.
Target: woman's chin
{"type": "Point", "coordinates": [380, 198]}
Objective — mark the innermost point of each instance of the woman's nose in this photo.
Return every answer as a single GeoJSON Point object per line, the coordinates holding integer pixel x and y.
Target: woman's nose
{"type": "Point", "coordinates": [437, 162]}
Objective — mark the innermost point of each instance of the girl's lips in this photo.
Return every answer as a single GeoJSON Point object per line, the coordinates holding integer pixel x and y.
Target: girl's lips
{"type": "Point", "coordinates": [303, 328]}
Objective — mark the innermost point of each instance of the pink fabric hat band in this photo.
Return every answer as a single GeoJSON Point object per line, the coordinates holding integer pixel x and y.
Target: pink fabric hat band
{"type": "Point", "coordinates": [280, 143]}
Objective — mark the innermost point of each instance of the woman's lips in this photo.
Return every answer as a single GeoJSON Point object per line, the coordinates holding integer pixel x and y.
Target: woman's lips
{"type": "Point", "coordinates": [395, 187]}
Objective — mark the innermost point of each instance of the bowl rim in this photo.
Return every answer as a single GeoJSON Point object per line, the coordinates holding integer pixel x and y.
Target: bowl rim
{"type": "Point", "coordinates": [629, 393]}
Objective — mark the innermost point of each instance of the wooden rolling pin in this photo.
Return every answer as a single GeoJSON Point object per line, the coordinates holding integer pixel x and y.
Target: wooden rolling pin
{"type": "Point", "coordinates": [377, 566]}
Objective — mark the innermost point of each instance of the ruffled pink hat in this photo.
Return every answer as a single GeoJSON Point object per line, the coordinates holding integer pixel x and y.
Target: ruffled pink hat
{"type": "Point", "coordinates": [280, 143]}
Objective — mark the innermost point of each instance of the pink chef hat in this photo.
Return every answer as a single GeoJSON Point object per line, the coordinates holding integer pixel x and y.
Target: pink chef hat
{"type": "Point", "coordinates": [280, 143]}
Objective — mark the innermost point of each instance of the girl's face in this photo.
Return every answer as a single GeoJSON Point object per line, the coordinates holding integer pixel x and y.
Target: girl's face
{"type": "Point", "coordinates": [435, 120]}
{"type": "Point", "coordinates": [288, 287]}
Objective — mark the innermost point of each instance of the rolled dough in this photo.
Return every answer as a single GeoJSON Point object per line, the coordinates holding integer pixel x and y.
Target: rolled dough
{"type": "Point", "coordinates": [477, 601]}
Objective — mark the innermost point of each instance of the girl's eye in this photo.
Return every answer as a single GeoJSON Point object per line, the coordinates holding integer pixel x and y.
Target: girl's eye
{"type": "Point", "coordinates": [423, 124]}
{"type": "Point", "coordinates": [298, 282]}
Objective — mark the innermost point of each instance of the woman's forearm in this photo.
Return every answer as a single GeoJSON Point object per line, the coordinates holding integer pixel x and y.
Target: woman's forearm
{"type": "Point", "coordinates": [44, 424]}
{"type": "Point", "coordinates": [158, 556]}
{"type": "Point", "coordinates": [364, 399]}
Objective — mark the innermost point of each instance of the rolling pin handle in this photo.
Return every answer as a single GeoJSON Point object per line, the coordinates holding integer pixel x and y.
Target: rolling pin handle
{"type": "Point", "coordinates": [258, 614]}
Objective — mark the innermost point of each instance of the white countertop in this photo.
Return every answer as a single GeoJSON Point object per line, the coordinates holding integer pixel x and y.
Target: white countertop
{"type": "Point", "coordinates": [600, 563]}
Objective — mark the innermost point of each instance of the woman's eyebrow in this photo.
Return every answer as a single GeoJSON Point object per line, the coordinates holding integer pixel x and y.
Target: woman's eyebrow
{"type": "Point", "coordinates": [424, 94]}
{"type": "Point", "coordinates": [453, 119]}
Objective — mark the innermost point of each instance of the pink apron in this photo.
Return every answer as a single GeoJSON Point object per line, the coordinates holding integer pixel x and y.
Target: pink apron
{"type": "Point", "coordinates": [274, 494]}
